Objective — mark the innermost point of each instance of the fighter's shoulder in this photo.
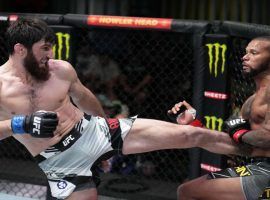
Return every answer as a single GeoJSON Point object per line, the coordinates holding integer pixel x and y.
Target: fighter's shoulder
{"type": "Point", "coordinates": [3, 76]}
{"type": "Point", "coordinates": [249, 101]}
{"type": "Point", "coordinates": [61, 68]}
{"type": "Point", "coordinates": [59, 65]}
{"type": "Point", "coordinates": [4, 73]}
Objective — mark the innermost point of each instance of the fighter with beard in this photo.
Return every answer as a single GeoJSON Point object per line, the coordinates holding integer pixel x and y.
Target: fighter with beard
{"type": "Point", "coordinates": [31, 81]}
{"type": "Point", "coordinates": [251, 128]}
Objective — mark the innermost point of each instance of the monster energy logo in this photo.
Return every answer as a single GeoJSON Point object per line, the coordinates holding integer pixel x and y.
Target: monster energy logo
{"type": "Point", "coordinates": [214, 57]}
{"type": "Point", "coordinates": [213, 123]}
{"type": "Point", "coordinates": [62, 47]}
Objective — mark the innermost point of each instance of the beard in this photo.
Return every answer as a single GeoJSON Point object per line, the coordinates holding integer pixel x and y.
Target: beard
{"type": "Point", "coordinates": [254, 72]}
{"type": "Point", "coordinates": [32, 66]}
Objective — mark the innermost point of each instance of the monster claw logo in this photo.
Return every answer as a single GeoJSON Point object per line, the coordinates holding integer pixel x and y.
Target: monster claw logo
{"type": "Point", "coordinates": [217, 57]}
{"type": "Point", "coordinates": [61, 49]}
{"type": "Point", "coordinates": [213, 123]}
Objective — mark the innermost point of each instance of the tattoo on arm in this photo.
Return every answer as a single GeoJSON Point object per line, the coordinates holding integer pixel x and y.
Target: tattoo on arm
{"type": "Point", "coordinates": [258, 138]}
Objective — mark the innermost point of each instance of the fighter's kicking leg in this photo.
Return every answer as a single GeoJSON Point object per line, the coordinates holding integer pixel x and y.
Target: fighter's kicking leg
{"type": "Point", "coordinates": [150, 135]}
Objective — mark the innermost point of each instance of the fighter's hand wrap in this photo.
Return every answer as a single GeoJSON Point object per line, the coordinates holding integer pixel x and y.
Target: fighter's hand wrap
{"type": "Point", "coordinates": [174, 117]}
{"type": "Point", "coordinates": [40, 124]}
{"type": "Point", "coordinates": [196, 123]}
{"type": "Point", "coordinates": [236, 127]}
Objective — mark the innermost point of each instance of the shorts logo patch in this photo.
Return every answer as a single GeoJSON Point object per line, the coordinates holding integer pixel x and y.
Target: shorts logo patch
{"type": "Point", "coordinates": [62, 184]}
{"type": "Point", "coordinates": [114, 125]}
{"type": "Point", "coordinates": [242, 171]}
{"type": "Point", "coordinates": [266, 194]}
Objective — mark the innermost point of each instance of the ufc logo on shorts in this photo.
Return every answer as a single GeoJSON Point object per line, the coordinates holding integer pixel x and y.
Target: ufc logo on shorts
{"type": "Point", "coordinates": [236, 121]}
{"type": "Point", "coordinates": [36, 125]}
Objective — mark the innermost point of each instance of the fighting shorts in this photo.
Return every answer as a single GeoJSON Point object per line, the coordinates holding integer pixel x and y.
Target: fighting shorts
{"type": "Point", "coordinates": [255, 178]}
{"type": "Point", "coordinates": [67, 164]}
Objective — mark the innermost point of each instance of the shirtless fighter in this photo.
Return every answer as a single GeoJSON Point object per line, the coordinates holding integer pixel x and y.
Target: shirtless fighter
{"type": "Point", "coordinates": [67, 140]}
{"type": "Point", "coordinates": [252, 128]}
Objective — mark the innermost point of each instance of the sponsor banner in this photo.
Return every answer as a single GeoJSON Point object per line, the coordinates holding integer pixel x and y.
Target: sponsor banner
{"type": "Point", "coordinates": [61, 49]}
{"type": "Point", "coordinates": [215, 95]}
{"type": "Point", "coordinates": [129, 22]}
{"type": "Point", "coordinates": [64, 45]}
{"type": "Point", "coordinates": [3, 18]}
{"type": "Point", "coordinates": [216, 58]}
{"type": "Point", "coordinates": [13, 17]}
{"type": "Point", "coordinates": [209, 168]}
{"type": "Point", "coordinates": [213, 122]}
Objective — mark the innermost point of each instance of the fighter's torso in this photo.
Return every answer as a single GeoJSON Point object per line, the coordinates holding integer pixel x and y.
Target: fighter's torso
{"type": "Point", "coordinates": [24, 97]}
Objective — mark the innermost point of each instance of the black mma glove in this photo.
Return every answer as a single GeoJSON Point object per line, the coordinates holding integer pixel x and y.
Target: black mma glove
{"type": "Point", "coordinates": [40, 124]}
{"type": "Point", "coordinates": [236, 127]}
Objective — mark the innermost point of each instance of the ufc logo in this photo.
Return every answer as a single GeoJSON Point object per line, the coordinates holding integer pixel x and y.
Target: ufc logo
{"type": "Point", "coordinates": [67, 140]}
{"type": "Point", "coordinates": [36, 125]}
{"type": "Point", "coordinates": [236, 121]}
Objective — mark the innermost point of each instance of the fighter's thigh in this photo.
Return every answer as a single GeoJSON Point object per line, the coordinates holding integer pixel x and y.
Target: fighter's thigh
{"type": "Point", "coordinates": [210, 189]}
{"type": "Point", "coordinates": [87, 194]}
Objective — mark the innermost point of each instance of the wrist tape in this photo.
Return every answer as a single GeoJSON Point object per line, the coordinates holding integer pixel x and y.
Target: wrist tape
{"type": "Point", "coordinates": [196, 123]}
{"type": "Point", "coordinates": [238, 135]}
{"type": "Point", "coordinates": [17, 124]}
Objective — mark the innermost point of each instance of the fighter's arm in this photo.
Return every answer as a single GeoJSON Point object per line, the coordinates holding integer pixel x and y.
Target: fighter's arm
{"type": "Point", "coordinates": [260, 137]}
{"type": "Point", "coordinates": [82, 96]}
{"type": "Point", "coordinates": [5, 129]}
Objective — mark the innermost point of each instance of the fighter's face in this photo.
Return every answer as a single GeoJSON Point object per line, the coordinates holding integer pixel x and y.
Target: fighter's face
{"type": "Point", "coordinates": [257, 58]}
{"type": "Point", "coordinates": [36, 60]}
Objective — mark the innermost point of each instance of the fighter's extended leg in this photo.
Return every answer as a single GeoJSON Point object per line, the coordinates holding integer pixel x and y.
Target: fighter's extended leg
{"type": "Point", "coordinates": [150, 135]}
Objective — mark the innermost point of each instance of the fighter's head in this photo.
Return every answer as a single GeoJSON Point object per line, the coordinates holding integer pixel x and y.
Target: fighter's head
{"type": "Point", "coordinates": [32, 41]}
{"type": "Point", "coordinates": [28, 31]}
{"type": "Point", "coordinates": [256, 61]}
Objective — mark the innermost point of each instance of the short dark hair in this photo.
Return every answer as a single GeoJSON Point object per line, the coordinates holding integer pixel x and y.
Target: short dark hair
{"type": "Point", "coordinates": [28, 31]}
